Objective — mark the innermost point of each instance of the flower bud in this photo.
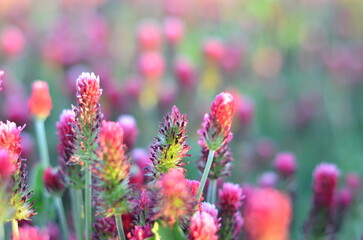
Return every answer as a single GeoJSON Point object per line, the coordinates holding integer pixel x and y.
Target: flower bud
{"type": "Point", "coordinates": [185, 73]}
{"type": "Point", "coordinates": [149, 36]}
{"type": "Point", "coordinates": [151, 65]}
{"type": "Point", "coordinates": [213, 50]}
{"type": "Point", "coordinates": [285, 164]}
{"type": "Point", "coordinates": [53, 181]}
{"type": "Point", "coordinates": [325, 182]}
{"type": "Point", "coordinates": [173, 30]}
{"type": "Point", "coordinates": [40, 102]}
{"type": "Point", "coordinates": [12, 41]}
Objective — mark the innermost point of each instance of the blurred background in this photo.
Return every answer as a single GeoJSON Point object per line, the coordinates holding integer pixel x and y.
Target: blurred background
{"type": "Point", "coordinates": [294, 66]}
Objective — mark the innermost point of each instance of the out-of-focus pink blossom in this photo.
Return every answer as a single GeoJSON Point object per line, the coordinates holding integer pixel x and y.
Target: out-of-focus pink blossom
{"type": "Point", "coordinates": [7, 164]}
{"type": "Point", "coordinates": [267, 215]}
{"type": "Point", "coordinates": [149, 35]}
{"type": "Point", "coordinates": [151, 65]}
{"type": "Point", "coordinates": [185, 73]}
{"type": "Point", "coordinates": [40, 102]}
{"type": "Point", "coordinates": [173, 30]}
{"type": "Point", "coordinates": [12, 41]}
{"type": "Point", "coordinates": [31, 233]}
{"type": "Point", "coordinates": [267, 62]}
{"type": "Point", "coordinates": [129, 125]}
{"type": "Point", "coordinates": [213, 211]}
{"type": "Point", "coordinates": [213, 49]}
{"type": "Point", "coordinates": [1, 80]}
{"type": "Point", "coordinates": [268, 179]}
{"type": "Point", "coordinates": [285, 164]}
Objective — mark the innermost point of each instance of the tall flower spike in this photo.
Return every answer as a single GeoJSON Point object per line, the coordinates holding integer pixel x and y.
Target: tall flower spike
{"type": "Point", "coordinates": [88, 117]}
{"type": "Point", "coordinates": [40, 102]}
{"type": "Point", "coordinates": [320, 221]}
{"type": "Point", "coordinates": [216, 128]}
{"type": "Point", "coordinates": [112, 170]}
{"type": "Point", "coordinates": [203, 227]}
{"type": "Point", "coordinates": [170, 147]}
{"type": "Point", "coordinates": [66, 148]}
{"type": "Point", "coordinates": [20, 195]}
{"type": "Point", "coordinates": [175, 201]}
{"type": "Point", "coordinates": [230, 201]}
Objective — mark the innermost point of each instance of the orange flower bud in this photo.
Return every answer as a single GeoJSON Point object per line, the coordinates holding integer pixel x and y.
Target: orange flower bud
{"type": "Point", "coordinates": [40, 102]}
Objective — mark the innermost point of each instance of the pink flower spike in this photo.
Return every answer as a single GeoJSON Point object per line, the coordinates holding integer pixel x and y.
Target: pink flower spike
{"type": "Point", "coordinates": [53, 181]}
{"type": "Point", "coordinates": [40, 102]}
{"type": "Point", "coordinates": [211, 210]}
{"type": "Point", "coordinates": [325, 182]}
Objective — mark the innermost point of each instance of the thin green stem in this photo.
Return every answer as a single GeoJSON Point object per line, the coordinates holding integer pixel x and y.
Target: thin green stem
{"type": "Point", "coordinates": [2, 231]}
{"type": "Point", "coordinates": [15, 228]}
{"type": "Point", "coordinates": [120, 228]}
{"type": "Point", "coordinates": [87, 204]}
{"type": "Point", "coordinates": [205, 173]}
{"type": "Point", "coordinates": [42, 142]}
{"type": "Point", "coordinates": [62, 217]}
{"type": "Point", "coordinates": [76, 198]}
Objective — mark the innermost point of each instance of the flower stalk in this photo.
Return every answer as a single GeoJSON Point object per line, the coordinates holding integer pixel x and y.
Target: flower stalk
{"type": "Point", "coordinates": [62, 217]}
{"type": "Point", "coordinates": [205, 173]}
{"type": "Point", "coordinates": [120, 228]}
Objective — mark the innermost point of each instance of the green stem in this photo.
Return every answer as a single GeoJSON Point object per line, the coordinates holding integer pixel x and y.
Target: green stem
{"type": "Point", "coordinates": [2, 231]}
{"type": "Point", "coordinates": [205, 173]}
{"type": "Point", "coordinates": [120, 228]}
{"type": "Point", "coordinates": [87, 205]}
{"type": "Point", "coordinates": [76, 197]}
{"type": "Point", "coordinates": [42, 142]}
{"type": "Point", "coordinates": [15, 228]}
{"type": "Point", "coordinates": [62, 217]}
{"type": "Point", "coordinates": [213, 185]}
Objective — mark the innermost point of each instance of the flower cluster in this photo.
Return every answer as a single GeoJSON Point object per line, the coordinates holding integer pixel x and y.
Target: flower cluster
{"type": "Point", "coordinates": [170, 147]}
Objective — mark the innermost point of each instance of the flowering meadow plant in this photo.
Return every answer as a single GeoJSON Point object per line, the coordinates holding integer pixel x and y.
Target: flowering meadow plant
{"type": "Point", "coordinates": [181, 120]}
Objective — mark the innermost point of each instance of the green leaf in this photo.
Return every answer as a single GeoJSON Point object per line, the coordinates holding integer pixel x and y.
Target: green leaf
{"type": "Point", "coordinates": [164, 232]}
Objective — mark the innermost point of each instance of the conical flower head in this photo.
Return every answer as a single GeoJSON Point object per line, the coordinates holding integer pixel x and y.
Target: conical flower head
{"type": "Point", "coordinates": [230, 197]}
{"type": "Point", "coordinates": [170, 147]}
{"type": "Point", "coordinates": [203, 227]}
{"type": "Point", "coordinates": [175, 201]}
{"type": "Point", "coordinates": [112, 170]}
{"type": "Point", "coordinates": [10, 138]}
{"type": "Point", "coordinates": [216, 128]}
{"type": "Point", "coordinates": [40, 102]}
{"type": "Point", "coordinates": [66, 148]}
{"type": "Point", "coordinates": [88, 117]}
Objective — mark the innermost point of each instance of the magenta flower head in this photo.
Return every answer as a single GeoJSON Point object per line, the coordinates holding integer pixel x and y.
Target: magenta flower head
{"type": "Point", "coordinates": [53, 181]}
{"type": "Point", "coordinates": [175, 201]}
{"type": "Point", "coordinates": [203, 227]}
{"type": "Point", "coordinates": [230, 198]}
{"type": "Point", "coordinates": [88, 117]}
{"type": "Point", "coordinates": [149, 35]}
{"type": "Point", "coordinates": [1, 80]}
{"type": "Point", "coordinates": [104, 228]}
{"type": "Point", "coordinates": [285, 164]}
{"type": "Point", "coordinates": [112, 171]}
{"type": "Point", "coordinates": [31, 233]}
{"type": "Point", "coordinates": [66, 148]}
{"type": "Point", "coordinates": [325, 182]}
{"type": "Point", "coordinates": [129, 125]}
{"type": "Point", "coordinates": [216, 128]}
{"type": "Point", "coordinates": [170, 147]}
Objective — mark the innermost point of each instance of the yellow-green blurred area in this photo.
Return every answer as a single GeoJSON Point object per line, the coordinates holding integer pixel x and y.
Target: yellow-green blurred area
{"type": "Point", "coordinates": [296, 67]}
